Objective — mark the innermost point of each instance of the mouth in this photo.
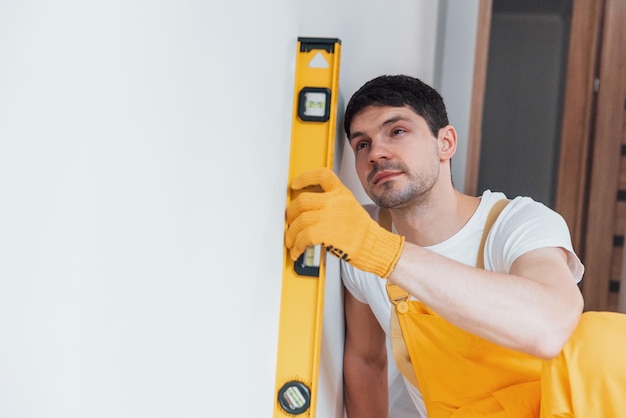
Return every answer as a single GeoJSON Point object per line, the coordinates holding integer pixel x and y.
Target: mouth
{"type": "Point", "coordinates": [382, 176]}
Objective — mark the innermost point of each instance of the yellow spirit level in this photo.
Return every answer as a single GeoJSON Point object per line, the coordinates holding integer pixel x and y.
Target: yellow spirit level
{"type": "Point", "coordinates": [302, 298]}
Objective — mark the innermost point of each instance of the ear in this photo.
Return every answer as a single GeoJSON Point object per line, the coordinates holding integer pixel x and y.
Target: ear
{"type": "Point", "coordinates": [447, 142]}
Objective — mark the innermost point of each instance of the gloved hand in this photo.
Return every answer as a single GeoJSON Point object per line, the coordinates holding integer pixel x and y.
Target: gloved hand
{"type": "Point", "coordinates": [337, 221]}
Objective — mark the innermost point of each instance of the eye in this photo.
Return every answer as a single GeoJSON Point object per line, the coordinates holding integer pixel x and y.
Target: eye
{"type": "Point", "coordinates": [361, 145]}
{"type": "Point", "coordinates": [397, 131]}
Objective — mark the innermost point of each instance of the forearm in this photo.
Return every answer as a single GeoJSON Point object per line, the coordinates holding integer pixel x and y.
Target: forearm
{"type": "Point", "coordinates": [508, 309]}
{"type": "Point", "coordinates": [364, 362]}
{"type": "Point", "coordinates": [365, 388]}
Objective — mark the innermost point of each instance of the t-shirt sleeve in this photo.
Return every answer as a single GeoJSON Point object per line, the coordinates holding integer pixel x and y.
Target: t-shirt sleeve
{"type": "Point", "coordinates": [527, 225]}
{"type": "Point", "coordinates": [349, 279]}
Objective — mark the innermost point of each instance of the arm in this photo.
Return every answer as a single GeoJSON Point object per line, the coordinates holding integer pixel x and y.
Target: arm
{"type": "Point", "coordinates": [534, 308]}
{"type": "Point", "coordinates": [364, 362]}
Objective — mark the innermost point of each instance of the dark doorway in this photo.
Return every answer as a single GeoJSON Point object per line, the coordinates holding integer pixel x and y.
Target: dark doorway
{"type": "Point", "coordinates": [523, 102]}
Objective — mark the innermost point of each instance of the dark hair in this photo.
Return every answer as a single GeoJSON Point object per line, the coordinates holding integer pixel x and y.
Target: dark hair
{"type": "Point", "coordinates": [398, 91]}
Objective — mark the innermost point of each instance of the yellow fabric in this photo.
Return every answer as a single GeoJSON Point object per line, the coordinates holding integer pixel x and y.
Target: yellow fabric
{"type": "Point", "coordinates": [588, 378]}
{"type": "Point", "coordinates": [463, 375]}
{"type": "Point", "coordinates": [337, 221]}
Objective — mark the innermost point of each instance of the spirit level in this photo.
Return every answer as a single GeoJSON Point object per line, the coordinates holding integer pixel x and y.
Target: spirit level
{"type": "Point", "coordinates": [302, 298]}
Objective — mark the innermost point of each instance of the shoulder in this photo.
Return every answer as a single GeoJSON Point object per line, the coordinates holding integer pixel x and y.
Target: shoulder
{"type": "Point", "coordinates": [520, 211]}
{"type": "Point", "coordinates": [525, 225]}
{"type": "Point", "coordinates": [525, 216]}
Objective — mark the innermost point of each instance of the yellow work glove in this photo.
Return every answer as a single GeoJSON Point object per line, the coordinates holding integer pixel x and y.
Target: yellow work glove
{"type": "Point", "coordinates": [337, 221]}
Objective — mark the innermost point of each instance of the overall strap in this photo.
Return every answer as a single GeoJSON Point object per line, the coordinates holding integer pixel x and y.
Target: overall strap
{"type": "Point", "coordinates": [399, 297]}
{"type": "Point", "coordinates": [395, 293]}
{"type": "Point", "coordinates": [491, 219]}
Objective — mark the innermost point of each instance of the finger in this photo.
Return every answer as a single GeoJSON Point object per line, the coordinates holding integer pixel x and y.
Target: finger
{"type": "Point", "coordinates": [296, 251]}
{"type": "Point", "coordinates": [299, 231]}
{"type": "Point", "coordinates": [323, 177]}
{"type": "Point", "coordinates": [302, 241]}
{"type": "Point", "coordinates": [305, 202]}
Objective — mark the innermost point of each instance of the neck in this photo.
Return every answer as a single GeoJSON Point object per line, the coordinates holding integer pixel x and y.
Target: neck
{"type": "Point", "coordinates": [435, 219]}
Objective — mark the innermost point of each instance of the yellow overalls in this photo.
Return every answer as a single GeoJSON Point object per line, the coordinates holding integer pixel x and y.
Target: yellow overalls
{"type": "Point", "coordinates": [462, 375]}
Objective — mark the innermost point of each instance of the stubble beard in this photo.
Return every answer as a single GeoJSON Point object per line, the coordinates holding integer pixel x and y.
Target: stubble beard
{"type": "Point", "coordinates": [404, 198]}
{"type": "Point", "coordinates": [415, 191]}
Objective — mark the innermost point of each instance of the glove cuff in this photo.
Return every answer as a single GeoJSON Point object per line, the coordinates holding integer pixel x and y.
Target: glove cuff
{"type": "Point", "coordinates": [386, 254]}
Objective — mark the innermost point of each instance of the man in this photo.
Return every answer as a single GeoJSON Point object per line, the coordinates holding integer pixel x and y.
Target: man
{"type": "Point", "coordinates": [476, 336]}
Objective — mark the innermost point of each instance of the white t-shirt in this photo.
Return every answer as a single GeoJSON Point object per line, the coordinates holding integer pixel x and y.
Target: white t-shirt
{"type": "Point", "coordinates": [524, 225]}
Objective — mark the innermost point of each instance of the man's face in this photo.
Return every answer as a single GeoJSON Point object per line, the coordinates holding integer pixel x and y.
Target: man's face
{"type": "Point", "coordinates": [396, 155]}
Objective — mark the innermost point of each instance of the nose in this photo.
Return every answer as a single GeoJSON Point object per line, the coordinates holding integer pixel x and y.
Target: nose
{"type": "Point", "coordinates": [379, 150]}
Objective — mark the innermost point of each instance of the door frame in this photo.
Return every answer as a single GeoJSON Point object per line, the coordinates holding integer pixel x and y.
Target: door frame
{"type": "Point", "coordinates": [599, 207]}
{"type": "Point", "coordinates": [587, 172]}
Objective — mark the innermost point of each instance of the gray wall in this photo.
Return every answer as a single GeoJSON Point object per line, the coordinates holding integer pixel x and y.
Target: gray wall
{"type": "Point", "coordinates": [454, 72]}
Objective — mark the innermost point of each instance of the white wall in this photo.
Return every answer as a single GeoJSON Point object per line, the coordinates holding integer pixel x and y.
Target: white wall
{"type": "Point", "coordinates": [143, 165]}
